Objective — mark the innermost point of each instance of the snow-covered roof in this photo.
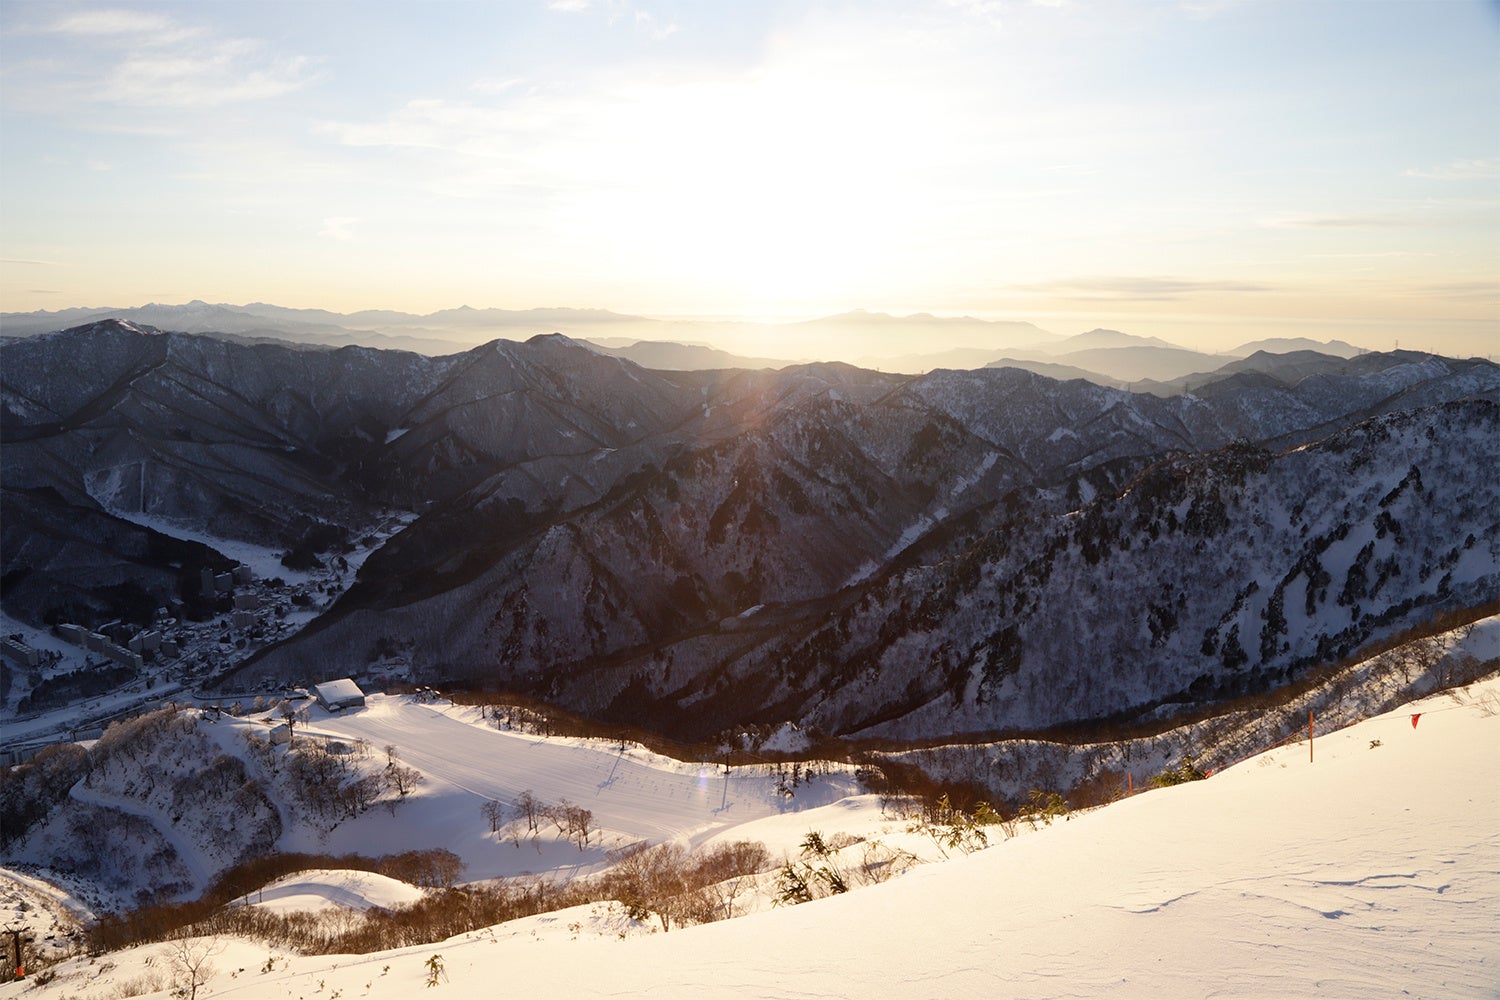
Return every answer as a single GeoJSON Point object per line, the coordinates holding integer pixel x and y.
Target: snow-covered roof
{"type": "Point", "coordinates": [341, 690]}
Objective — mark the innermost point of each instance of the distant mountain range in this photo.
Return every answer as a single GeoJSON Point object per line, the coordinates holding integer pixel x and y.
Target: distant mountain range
{"type": "Point", "coordinates": [868, 553]}
{"type": "Point", "coordinates": [1106, 357]}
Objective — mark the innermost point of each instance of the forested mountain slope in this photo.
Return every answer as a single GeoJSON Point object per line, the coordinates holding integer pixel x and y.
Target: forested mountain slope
{"type": "Point", "coordinates": [866, 552]}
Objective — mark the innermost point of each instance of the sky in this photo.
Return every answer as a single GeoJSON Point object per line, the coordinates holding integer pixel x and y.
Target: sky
{"type": "Point", "coordinates": [1207, 171]}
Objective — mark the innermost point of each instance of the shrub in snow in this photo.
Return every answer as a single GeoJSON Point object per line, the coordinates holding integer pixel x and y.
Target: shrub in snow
{"type": "Point", "coordinates": [1045, 806]}
{"type": "Point", "coordinates": [824, 869]}
{"type": "Point", "coordinates": [956, 829]}
{"type": "Point", "coordinates": [1183, 772]}
{"type": "Point", "coordinates": [679, 888]}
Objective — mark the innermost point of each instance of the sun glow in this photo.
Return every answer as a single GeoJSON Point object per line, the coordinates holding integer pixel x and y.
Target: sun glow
{"type": "Point", "coordinates": [773, 191]}
{"type": "Point", "coordinates": [1140, 163]}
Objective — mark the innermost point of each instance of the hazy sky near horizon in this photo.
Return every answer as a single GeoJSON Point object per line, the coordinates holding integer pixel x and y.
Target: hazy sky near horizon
{"type": "Point", "coordinates": [1208, 171]}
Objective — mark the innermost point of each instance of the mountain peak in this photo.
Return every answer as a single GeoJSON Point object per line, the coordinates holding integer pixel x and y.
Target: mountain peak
{"type": "Point", "coordinates": [1101, 337]}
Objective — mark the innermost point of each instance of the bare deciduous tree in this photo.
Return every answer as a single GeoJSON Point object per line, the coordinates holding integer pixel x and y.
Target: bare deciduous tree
{"type": "Point", "coordinates": [571, 821]}
{"type": "Point", "coordinates": [680, 889]}
{"type": "Point", "coordinates": [527, 805]}
{"type": "Point", "coordinates": [190, 960]}
{"type": "Point", "coordinates": [402, 779]}
{"type": "Point", "coordinates": [727, 869]}
{"type": "Point", "coordinates": [651, 881]}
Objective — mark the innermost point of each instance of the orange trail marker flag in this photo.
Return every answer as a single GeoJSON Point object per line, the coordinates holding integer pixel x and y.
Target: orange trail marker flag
{"type": "Point", "coordinates": [1414, 719]}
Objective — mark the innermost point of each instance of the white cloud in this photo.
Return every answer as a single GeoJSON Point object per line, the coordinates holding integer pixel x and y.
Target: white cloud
{"type": "Point", "coordinates": [1344, 220]}
{"type": "Point", "coordinates": [338, 228]}
{"type": "Point", "coordinates": [1460, 170]}
{"type": "Point", "coordinates": [647, 22]}
{"type": "Point", "coordinates": [989, 11]}
{"type": "Point", "coordinates": [497, 86]}
{"type": "Point", "coordinates": [568, 6]}
{"type": "Point", "coordinates": [134, 58]}
{"type": "Point", "coordinates": [116, 22]}
{"type": "Point", "coordinates": [223, 72]}
{"type": "Point", "coordinates": [1208, 8]}
{"type": "Point", "coordinates": [1141, 289]}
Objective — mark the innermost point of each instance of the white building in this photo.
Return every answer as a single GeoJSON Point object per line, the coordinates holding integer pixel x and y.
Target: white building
{"type": "Point", "coordinates": [339, 694]}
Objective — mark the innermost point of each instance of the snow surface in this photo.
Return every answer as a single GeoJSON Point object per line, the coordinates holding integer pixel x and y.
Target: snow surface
{"type": "Point", "coordinates": [1369, 872]}
{"type": "Point", "coordinates": [192, 859]}
{"type": "Point", "coordinates": [49, 726]}
{"type": "Point", "coordinates": [263, 560]}
{"type": "Point", "coordinates": [634, 795]}
{"type": "Point", "coordinates": [787, 738]}
{"type": "Point", "coordinates": [47, 914]}
{"type": "Point", "coordinates": [326, 889]}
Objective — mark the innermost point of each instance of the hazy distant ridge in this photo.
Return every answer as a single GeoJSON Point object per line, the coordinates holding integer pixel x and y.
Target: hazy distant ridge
{"type": "Point", "coordinates": [871, 339]}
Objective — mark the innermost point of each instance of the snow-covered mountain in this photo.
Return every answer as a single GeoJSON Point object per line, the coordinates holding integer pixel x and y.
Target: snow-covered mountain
{"type": "Point", "coordinates": [870, 552]}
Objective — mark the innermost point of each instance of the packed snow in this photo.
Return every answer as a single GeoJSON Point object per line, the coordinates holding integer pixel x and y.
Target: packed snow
{"type": "Point", "coordinates": [633, 794]}
{"type": "Point", "coordinates": [324, 889]}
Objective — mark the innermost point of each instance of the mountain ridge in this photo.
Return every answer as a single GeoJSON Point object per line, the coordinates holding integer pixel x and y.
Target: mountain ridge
{"type": "Point", "coordinates": [659, 545]}
{"type": "Point", "coordinates": [872, 339]}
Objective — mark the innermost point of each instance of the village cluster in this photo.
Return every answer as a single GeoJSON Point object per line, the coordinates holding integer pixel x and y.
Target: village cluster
{"type": "Point", "coordinates": [138, 664]}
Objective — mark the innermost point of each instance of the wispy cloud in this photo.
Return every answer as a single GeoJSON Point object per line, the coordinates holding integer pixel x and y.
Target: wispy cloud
{"type": "Point", "coordinates": [1344, 220]}
{"type": "Point", "coordinates": [659, 30]}
{"type": "Point", "coordinates": [149, 60]}
{"type": "Point", "coordinates": [1208, 8]}
{"type": "Point", "coordinates": [992, 12]}
{"type": "Point", "coordinates": [496, 86]}
{"type": "Point", "coordinates": [29, 263]}
{"type": "Point", "coordinates": [621, 11]}
{"type": "Point", "coordinates": [1131, 288]}
{"type": "Point", "coordinates": [1474, 291]}
{"type": "Point", "coordinates": [138, 24]}
{"type": "Point", "coordinates": [1460, 170]}
{"type": "Point", "coordinates": [449, 126]}
{"type": "Point", "coordinates": [1373, 255]}
{"type": "Point", "coordinates": [988, 11]}
{"type": "Point", "coordinates": [338, 227]}
{"type": "Point", "coordinates": [221, 73]}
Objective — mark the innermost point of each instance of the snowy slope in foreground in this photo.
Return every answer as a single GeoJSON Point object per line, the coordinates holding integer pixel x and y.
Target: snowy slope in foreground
{"type": "Point", "coordinates": [1375, 870]}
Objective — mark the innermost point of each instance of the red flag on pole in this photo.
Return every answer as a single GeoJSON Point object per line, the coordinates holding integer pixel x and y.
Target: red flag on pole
{"type": "Point", "coordinates": [1414, 719]}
